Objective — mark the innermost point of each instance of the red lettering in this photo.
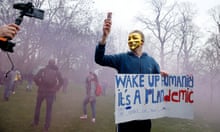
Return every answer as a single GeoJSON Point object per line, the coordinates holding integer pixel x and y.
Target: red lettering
{"type": "Point", "coordinates": [190, 100]}
{"type": "Point", "coordinates": [167, 97]}
{"type": "Point", "coordinates": [183, 94]}
{"type": "Point", "coordinates": [177, 96]}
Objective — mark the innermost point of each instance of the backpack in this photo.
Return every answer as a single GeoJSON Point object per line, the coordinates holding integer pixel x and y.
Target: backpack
{"type": "Point", "coordinates": [98, 90]}
{"type": "Point", "coordinates": [49, 77]}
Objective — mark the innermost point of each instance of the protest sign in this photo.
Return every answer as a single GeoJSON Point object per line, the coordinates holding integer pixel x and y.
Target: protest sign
{"type": "Point", "coordinates": [150, 96]}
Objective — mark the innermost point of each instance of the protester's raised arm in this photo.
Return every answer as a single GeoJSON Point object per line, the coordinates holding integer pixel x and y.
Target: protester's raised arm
{"type": "Point", "coordinates": [106, 29]}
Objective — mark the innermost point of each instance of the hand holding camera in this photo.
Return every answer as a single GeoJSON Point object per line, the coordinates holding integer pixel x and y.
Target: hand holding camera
{"type": "Point", "coordinates": [8, 32]}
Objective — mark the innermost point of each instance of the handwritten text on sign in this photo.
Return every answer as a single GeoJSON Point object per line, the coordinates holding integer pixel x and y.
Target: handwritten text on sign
{"type": "Point", "coordinates": [150, 96]}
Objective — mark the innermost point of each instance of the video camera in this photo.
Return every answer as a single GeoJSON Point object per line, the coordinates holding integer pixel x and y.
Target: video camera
{"type": "Point", "coordinates": [27, 9]}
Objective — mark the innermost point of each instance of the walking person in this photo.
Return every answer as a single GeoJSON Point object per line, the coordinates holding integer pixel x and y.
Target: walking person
{"type": "Point", "coordinates": [49, 81]}
{"type": "Point", "coordinates": [91, 83]}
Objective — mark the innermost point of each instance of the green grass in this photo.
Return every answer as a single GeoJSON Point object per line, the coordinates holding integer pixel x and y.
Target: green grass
{"type": "Point", "coordinates": [16, 115]}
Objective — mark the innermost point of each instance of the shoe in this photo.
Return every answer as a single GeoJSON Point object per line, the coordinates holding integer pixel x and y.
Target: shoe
{"type": "Point", "coordinates": [93, 120]}
{"type": "Point", "coordinates": [83, 117]}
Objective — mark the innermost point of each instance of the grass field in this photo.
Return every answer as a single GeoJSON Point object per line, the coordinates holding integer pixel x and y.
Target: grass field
{"type": "Point", "coordinates": [17, 114]}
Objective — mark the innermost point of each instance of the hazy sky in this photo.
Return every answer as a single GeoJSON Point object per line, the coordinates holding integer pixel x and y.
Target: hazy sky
{"type": "Point", "coordinates": [125, 10]}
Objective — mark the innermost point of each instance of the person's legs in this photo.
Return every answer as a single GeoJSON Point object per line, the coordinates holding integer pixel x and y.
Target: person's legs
{"type": "Point", "coordinates": [132, 126]}
{"type": "Point", "coordinates": [8, 89]}
{"type": "Point", "coordinates": [29, 86]}
{"type": "Point", "coordinates": [6, 92]}
{"type": "Point", "coordinates": [144, 125]}
{"type": "Point", "coordinates": [93, 107]}
{"type": "Point", "coordinates": [85, 102]}
{"type": "Point", "coordinates": [40, 99]}
{"type": "Point", "coordinates": [49, 104]}
{"type": "Point", "coordinates": [13, 85]}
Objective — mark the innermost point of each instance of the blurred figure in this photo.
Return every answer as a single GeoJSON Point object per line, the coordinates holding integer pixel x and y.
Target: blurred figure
{"type": "Point", "coordinates": [91, 83]}
{"type": "Point", "coordinates": [1, 77]}
{"type": "Point", "coordinates": [17, 79]}
{"type": "Point", "coordinates": [29, 79]}
{"type": "Point", "coordinates": [9, 30]}
{"type": "Point", "coordinates": [10, 83]}
{"type": "Point", "coordinates": [49, 81]}
{"type": "Point", "coordinates": [65, 84]}
{"type": "Point", "coordinates": [104, 87]}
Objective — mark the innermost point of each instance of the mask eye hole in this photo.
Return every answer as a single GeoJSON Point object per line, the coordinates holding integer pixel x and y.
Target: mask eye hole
{"type": "Point", "coordinates": [135, 37]}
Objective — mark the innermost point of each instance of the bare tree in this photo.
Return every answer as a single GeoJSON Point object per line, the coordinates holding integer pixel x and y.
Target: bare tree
{"type": "Point", "coordinates": [162, 25]}
{"type": "Point", "coordinates": [215, 14]}
{"type": "Point", "coordinates": [210, 56]}
{"type": "Point", "coordinates": [187, 34]}
{"type": "Point", "coordinates": [212, 63]}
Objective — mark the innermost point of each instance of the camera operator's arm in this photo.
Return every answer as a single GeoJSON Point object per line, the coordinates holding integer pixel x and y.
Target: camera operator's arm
{"type": "Point", "coordinates": [9, 30]}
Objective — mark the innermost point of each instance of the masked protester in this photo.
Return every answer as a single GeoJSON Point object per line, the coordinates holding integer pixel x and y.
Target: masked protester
{"type": "Point", "coordinates": [133, 62]}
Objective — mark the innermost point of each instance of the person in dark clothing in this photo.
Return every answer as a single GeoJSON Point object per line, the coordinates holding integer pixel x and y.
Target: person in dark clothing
{"type": "Point", "coordinates": [133, 62]}
{"type": "Point", "coordinates": [47, 92]}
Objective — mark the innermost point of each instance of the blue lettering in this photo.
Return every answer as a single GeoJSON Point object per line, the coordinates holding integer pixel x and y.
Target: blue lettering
{"type": "Point", "coordinates": [123, 98]}
{"type": "Point", "coordinates": [129, 81]}
{"type": "Point", "coordinates": [141, 81]}
{"type": "Point", "coordinates": [137, 97]}
{"type": "Point", "coordinates": [120, 99]}
{"type": "Point", "coordinates": [150, 92]}
{"type": "Point", "coordinates": [190, 82]}
{"type": "Point", "coordinates": [153, 80]}
{"type": "Point", "coordinates": [128, 99]}
{"type": "Point", "coordinates": [120, 80]}
{"type": "Point", "coordinates": [147, 93]}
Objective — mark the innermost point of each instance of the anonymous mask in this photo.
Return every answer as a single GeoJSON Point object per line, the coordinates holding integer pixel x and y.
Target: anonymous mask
{"type": "Point", "coordinates": [134, 41]}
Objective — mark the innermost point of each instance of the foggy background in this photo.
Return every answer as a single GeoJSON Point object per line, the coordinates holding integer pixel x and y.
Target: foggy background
{"type": "Point", "coordinates": [72, 28]}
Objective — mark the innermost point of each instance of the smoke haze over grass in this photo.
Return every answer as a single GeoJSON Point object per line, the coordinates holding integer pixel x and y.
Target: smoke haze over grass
{"type": "Point", "coordinates": [17, 114]}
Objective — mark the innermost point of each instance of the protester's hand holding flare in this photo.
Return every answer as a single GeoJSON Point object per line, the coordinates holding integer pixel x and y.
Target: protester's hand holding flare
{"type": "Point", "coordinates": [106, 28]}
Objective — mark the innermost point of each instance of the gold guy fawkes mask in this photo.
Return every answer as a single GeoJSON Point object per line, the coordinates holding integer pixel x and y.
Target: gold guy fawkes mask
{"type": "Point", "coordinates": [134, 41]}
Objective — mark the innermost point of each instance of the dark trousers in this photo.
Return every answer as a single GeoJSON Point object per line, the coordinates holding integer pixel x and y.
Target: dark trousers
{"type": "Point", "coordinates": [135, 126]}
{"type": "Point", "coordinates": [49, 102]}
